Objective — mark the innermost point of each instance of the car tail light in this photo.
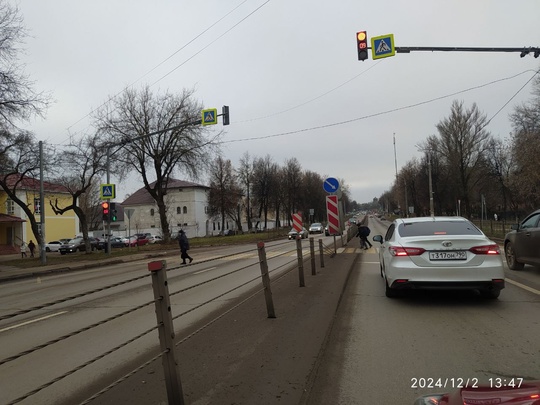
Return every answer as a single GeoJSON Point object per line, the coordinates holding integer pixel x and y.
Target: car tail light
{"type": "Point", "coordinates": [486, 250]}
{"type": "Point", "coordinates": [405, 251]}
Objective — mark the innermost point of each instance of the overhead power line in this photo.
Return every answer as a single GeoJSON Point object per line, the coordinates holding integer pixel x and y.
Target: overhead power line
{"type": "Point", "coordinates": [392, 110]}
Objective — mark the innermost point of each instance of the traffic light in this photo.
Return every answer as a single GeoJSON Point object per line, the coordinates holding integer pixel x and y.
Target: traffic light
{"type": "Point", "coordinates": [113, 212]}
{"type": "Point", "coordinates": [225, 112]}
{"type": "Point", "coordinates": [105, 209]}
{"type": "Point", "coordinates": [362, 45]}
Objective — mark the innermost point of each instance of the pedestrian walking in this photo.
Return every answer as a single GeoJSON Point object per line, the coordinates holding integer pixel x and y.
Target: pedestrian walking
{"type": "Point", "coordinates": [32, 247]}
{"type": "Point", "coordinates": [184, 246]}
{"type": "Point", "coordinates": [363, 233]}
{"type": "Point", "coordinates": [23, 249]}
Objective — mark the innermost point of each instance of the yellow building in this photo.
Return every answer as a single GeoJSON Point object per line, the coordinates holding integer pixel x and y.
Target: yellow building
{"type": "Point", "coordinates": [15, 226]}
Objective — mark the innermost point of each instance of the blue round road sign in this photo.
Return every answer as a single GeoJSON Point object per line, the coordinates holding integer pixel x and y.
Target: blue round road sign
{"type": "Point", "coordinates": [331, 185]}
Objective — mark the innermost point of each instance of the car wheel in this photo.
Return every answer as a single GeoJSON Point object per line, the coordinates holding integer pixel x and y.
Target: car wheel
{"type": "Point", "coordinates": [510, 254]}
{"type": "Point", "coordinates": [491, 294]}
{"type": "Point", "coordinates": [390, 292]}
{"type": "Point", "coordinates": [380, 267]}
{"type": "Point", "coordinates": [62, 253]}
{"type": "Point", "coordinates": [47, 249]}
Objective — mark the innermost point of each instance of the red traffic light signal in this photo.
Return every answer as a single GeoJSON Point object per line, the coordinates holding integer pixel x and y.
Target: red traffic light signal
{"type": "Point", "coordinates": [362, 45]}
{"type": "Point", "coordinates": [105, 209]}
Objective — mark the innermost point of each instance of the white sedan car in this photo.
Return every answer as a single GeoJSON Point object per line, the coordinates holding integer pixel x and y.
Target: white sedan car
{"type": "Point", "coordinates": [439, 253]}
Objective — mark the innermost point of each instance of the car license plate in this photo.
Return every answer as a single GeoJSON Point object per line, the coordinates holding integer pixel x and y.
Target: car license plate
{"type": "Point", "coordinates": [451, 255]}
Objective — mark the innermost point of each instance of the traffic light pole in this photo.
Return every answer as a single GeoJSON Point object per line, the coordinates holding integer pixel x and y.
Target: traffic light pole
{"type": "Point", "coordinates": [108, 222]}
{"type": "Point", "coordinates": [524, 51]}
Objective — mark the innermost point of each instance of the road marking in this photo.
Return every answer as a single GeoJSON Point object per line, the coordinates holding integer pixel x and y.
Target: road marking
{"type": "Point", "coordinates": [32, 321]}
{"type": "Point", "coordinates": [205, 270]}
{"type": "Point", "coordinates": [525, 287]}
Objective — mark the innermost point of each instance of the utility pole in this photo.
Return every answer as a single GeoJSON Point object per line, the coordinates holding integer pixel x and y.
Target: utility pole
{"type": "Point", "coordinates": [431, 208]}
{"type": "Point", "coordinates": [43, 256]}
{"type": "Point", "coordinates": [397, 180]}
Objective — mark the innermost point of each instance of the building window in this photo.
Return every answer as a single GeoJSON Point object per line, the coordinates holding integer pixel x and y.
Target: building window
{"type": "Point", "coordinates": [178, 210]}
{"type": "Point", "coordinates": [206, 209]}
{"type": "Point", "coordinates": [152, 211]}
{"type": "Point", "coordinates": [10, 207]}
{"type": "Point", "coordinates": [185, 209]}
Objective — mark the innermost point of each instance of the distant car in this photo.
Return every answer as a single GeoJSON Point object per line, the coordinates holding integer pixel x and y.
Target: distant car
{"type": "Point", "coordinates": [77, 244]}
{"type": "Point", "coordinates": [53, 246]}
{"type": "Point", "coordinates": [327, 232]}
{"type": "Point", "coordinates": [316, 227]}
{"type": "Point", "coordinates": [303, 234]}
{"type": "Point", "coordinates": [154, 238]}
{"type": "Point", "coordinates": [439, 253]}
{"type": "Point", "coordinates": [522, 243]}
{"type": "Point", "coordinates": [136, 240]}
{"type": "Point", "coordinates": [116, 242]}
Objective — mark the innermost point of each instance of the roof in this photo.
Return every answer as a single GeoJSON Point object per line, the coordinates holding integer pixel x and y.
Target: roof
{"type": "Point", "coordinates": [142, 196]}
{"type": "Point", "coordinates": [29, 183]}
{"type": "Point", "coordinates": [431, 219]}
{"type": "Point", "coordinates": [10, 218]}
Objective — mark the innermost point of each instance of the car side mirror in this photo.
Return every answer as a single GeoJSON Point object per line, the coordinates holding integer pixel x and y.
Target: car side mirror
{"type": "Point", "coordinates": [378, 238]}
{"type": "Point", "coordinates": [514, 227]}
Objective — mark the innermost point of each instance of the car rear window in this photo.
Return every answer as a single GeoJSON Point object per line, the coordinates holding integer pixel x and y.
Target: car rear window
{"type": "Point", "coordinates": [438, 228]}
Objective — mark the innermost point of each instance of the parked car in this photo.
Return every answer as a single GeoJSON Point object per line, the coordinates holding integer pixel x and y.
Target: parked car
{"type": "Point", "coordinates": [77, 244]}
{"type": "Point", "coordinates": [53, 246]}
{"type": "Point", "coordinates": [522, 243]}
{"type": "Point", "coordinates": [316, 227]}
{"type": "Point", "coordinates": [303, 234]}
{"type": "Point", "coordinates": [116, 242]}
{"type": "Point", "coordinates": [439, 253]}
{"type": "Point", "coordinates": [136, 240]}
{"type": "Point", "coordinates": [154, 238]}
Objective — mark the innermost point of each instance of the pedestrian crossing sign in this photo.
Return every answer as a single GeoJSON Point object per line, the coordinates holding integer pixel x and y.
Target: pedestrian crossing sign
{"type": "Point", "coordinates": [209, 116]}
{"type": "Point", "coordinates": [108, 191]}
{"type": "Point", "coordinates": [383, 46]}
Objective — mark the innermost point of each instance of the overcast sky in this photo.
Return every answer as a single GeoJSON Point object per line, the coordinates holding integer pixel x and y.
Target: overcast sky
{"type": "Point", "coordinates": [289, 71]}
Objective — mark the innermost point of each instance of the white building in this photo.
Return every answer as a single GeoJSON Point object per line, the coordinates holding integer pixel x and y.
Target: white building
{"type": "Point", "coordinates": [187, 209]}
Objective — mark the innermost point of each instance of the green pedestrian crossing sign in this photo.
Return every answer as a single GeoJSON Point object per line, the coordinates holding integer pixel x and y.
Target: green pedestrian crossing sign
{"type": "Point", "coordinates": [382, 46]}
{"type": "Point", "coordinates": [107, 191]}
{"type": "Point", "coordinates": [209, 116]}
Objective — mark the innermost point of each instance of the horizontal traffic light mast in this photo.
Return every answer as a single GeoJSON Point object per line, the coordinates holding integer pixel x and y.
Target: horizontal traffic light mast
{"type": "Point", "coordinates": [524, 51]}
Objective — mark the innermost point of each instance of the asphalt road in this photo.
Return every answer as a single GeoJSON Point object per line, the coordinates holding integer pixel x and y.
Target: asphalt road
{"type": "Point", "coordinates": [390, 351]}
{"type": "Point", "coordinates": [339, 340]}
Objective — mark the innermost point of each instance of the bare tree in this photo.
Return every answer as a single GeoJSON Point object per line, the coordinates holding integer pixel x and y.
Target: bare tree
{"type": "Point", "coordinates": [81, 166]}
{"type": "Point", "coordinates": [225, 193]}
{"type": "Point", "coordinates": [293, 186]}
{"type": "Point", "coordinates": [181, 145]}
{"type": "Point", "coordinates": [18, 99]}
{"type": "Point", "coordinates": [463, 142]}
{"type": "Point", "coordinates": [19, 152]}
{"type": "Point", "coordinates": [245, 177]}
{"type": "Point", "coordinates": [314, 195]}
{"type": "Point", "coordinates": [526, 149]}
{"type": "Point", "coordinates": [265, 174]}
{"type": "Point", "coordinates": [19, 166]}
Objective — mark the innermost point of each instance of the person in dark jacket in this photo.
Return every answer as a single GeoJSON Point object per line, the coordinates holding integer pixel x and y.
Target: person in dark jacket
{"type": "Point", "coordinates": [363, 233]}
{"type": "Point", "coordinates": [32, 247]}
{"type": "Point", "coordinates": [184, 246]}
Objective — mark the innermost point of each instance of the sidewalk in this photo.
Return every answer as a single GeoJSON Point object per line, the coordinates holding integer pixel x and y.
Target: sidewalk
{"type": "Point", "coordinates": [10, 273]}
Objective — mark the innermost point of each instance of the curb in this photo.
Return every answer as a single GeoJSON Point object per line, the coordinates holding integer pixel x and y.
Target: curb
{"type": "Point", "coordinates": [82, 266]}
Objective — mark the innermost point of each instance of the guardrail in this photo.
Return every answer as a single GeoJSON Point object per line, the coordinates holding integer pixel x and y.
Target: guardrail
{"type": "Point", "coordinates": [158, 274]}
